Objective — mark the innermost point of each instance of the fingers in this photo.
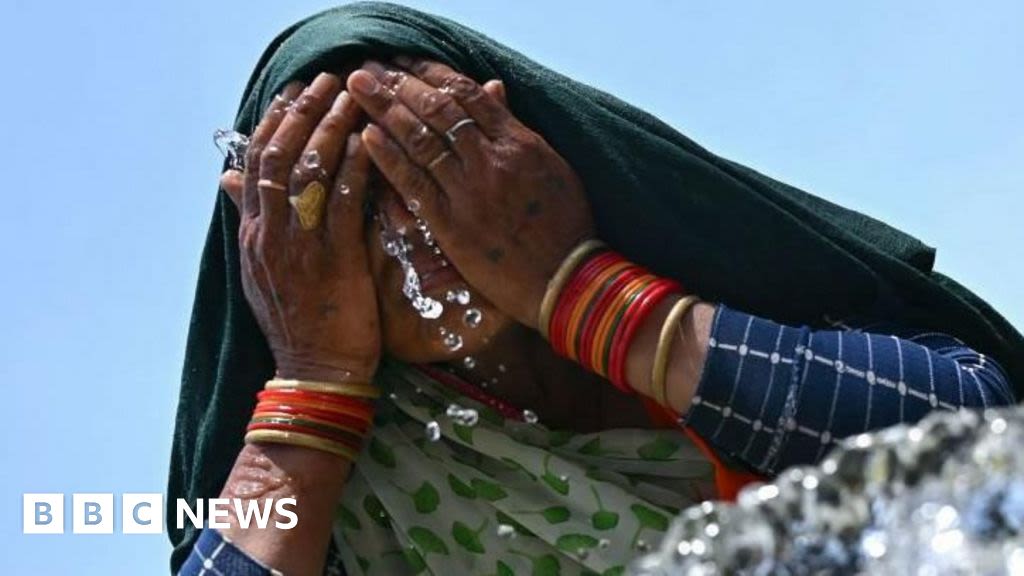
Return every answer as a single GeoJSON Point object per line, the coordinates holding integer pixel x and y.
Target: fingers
{"type": "Point", "coordinates": [327, 143]}
{"type": "Point", "coordinates": [496, 88]}
{"type": "Point", "coordinates": [421, 194]}
{"type": "Point", "coordinates": [249, 204]}
{"type": "Point", "coordinates": [282, 152]}
{"type": "Point", "coordinates": [345, 218]}
{"type": "Point", "coordinates": [492, 117]}
{"type": "Point", "coordinates": [232, 182]}
{"type": "Point", "coordinates": [376, 89]}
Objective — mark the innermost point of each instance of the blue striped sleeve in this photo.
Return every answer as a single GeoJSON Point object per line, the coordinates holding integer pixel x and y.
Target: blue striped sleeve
{"type": "Point", "coordinates": [772, 396]}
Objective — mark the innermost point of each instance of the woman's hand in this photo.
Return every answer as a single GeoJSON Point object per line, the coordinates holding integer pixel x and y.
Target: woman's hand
{"type": "Point", "coordinates": [307, 279]}
{"type": "Point", "coordinates": [503, 205]}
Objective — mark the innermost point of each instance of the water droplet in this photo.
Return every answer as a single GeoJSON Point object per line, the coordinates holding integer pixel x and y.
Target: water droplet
{"type": "Point", "coordinates": [564, 477]}
{"type": "Point", "coordinates": [413, 205]}
{"type": "Point", "coordinates": [460, 296]}
{"type": "Point", "coordinates": [502, 368]}
{"type": "Point", "coordinates": [582, 553]}
{"type": "Point", "coordinates": [463, 416]}
{"type": "Point", "coordinates": [344, 190]}
{"type": "Point", "coordinates": [604, 543]}
{"type": "Point", "coordinates": [530, 416]}
{"type": "Point", "coordinates": [433, 431]}
{"type": "Point", "coordinates": [494, 380]}
{"type": "Point", "coordinates": [506, 531]}
{"type": "Point", "coordinates": [233, 145]}
{"type": "Point", "coordinates": [452, 341]}
{"type": "Point", "coordinates": [473, 317]}
{"type": "Point", "coordinates": [469, 362]}
{"type": "Point", "coordinates": [393, 396]}
{"type": "Point", "coordinates": [311, 160]}
{"type": "Point", "coordinates": [396, 246]}
{"type": "Point", "coordinates": [642, 545]}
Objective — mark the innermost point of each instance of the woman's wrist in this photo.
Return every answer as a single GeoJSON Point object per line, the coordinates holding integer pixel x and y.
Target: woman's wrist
{"type": "Point", "coordinates": [641, 332]}
{"type": "Point", "coordinates": [298, 367]}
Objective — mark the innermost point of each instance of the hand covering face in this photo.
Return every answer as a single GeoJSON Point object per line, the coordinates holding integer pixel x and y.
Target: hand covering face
{"type": "Point", "coordinates": [723, 230]}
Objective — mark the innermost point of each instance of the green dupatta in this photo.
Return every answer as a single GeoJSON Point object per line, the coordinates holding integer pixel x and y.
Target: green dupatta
{"type": "Point", "coordinates": [725, 231]}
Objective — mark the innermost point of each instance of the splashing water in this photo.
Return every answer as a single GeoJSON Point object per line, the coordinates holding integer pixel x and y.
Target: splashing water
{"type": "Point", "coordinates": [530, 416]}
{"type": "Point", "coordinates": [463, 416]}
{"type": "Point", "coordinates": [506, 531]}
{"type": "Point", "coordinates": [452, 341]}
{"type": "Point", "coordinates": [428, 236]}
{"type": "Point", "coordinates": [233, 145]}
{"type": "Point", "coordinates": [433, 431]}
{"type": "Point", "coordinates": [460, 296]}
{"type": "Point", "coordinates": [311, 160]}
{"type": "Point", "coordinates": [473, 317]}
{"type": "Point", "coordinates": [395, 245]}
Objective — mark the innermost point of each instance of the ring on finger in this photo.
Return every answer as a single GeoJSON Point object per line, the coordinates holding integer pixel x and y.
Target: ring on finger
{"type": "Point", "coordinates": [438, 159]}
{"type": "Point", "coordinates": [309, 204]}
{"type": "Point", "coordinates": [270, 184]}
{"type": "Point", "coordinates": [449, 134]}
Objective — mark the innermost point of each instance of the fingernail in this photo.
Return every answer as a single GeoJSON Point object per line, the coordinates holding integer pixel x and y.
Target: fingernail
{"type": "Point", "coordinates": [353, 144]}
{"type": "Point", "coordinates": [340, 101]}
{"type": "Point", "coordinates": [376, 68]}
{"type": "Point", "coordinates": [364, 83]}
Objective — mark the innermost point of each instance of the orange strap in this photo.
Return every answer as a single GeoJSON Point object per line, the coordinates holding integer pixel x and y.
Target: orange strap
{"type": "Point", "coordinates": [728, 482]}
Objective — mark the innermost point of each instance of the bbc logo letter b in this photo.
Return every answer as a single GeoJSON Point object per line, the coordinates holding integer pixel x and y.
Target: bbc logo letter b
{"type": "Point", "coordinates": [92, 513]}
{"type": "Point", "coordinates": [42, 514]}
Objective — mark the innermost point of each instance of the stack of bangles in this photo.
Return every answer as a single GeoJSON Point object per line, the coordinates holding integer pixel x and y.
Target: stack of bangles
{"type": "Point", "coordinates": [594, 305]}
{"type": "Point", "coordinates": [328, 416]}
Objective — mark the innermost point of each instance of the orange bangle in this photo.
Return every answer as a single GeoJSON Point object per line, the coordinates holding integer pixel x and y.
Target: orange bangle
{"type": "Point", "coordinates": [585, 304]}
{"type": "Point", "coordinates": [299, 418]}
{"type": "Point", "coordinates": [614, 311]}
{"type": "Point", "coordinates": [361, 415]}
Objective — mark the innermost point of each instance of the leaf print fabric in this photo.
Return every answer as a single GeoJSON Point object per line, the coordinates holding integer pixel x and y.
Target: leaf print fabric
{"type": "Point", "coordinates": [504, 497]}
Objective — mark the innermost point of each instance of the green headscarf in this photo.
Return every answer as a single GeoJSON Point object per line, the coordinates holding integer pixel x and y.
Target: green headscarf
{"type": "Point", "coordinates": [725, 231]}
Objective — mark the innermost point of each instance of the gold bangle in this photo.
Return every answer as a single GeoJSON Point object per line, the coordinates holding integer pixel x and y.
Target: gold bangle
{"type": "Point", "coordinates": [341, 388]}
{"type": "Point", "coordinates": [659, 372]}
{"type": "Point", "coordinates": [299, 439]}
{"type": "Point", "coordinates": [557, 282]}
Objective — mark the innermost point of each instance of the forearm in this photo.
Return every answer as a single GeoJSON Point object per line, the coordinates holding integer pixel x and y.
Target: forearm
{"type": "Point", "coordinates": [773, 395]}
{"type": "Point", "coordinates": [687, 356]}
{"type": "Point", "coordinates": [315, 479]}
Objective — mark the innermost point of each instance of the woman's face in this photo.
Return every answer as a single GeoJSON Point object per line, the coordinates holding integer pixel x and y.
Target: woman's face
{"type": "Point", "coordinates": [406, 335]}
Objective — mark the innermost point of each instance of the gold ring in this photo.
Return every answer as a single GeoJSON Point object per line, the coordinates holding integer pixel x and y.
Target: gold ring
{"type": "Point", "coordinates": [309, 205]}
{"type": "Point", "coordinates": [438, 159]}
{"type": "Point", "coordinates": [450, 133]}
{"type": "Point", "coordinates": [268, 183]}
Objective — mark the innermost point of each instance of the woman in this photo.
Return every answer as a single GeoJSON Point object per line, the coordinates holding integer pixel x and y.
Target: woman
{"type": "Point", "coordinates": [302, 294]}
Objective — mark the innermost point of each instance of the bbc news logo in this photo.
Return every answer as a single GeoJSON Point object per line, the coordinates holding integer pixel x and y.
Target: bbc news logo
{"type": "Point", "coordinates": [143, 513]}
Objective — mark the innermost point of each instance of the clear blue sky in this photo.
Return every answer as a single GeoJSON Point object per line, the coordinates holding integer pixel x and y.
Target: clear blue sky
{"type": "Point", "coordinates": [909, 111]}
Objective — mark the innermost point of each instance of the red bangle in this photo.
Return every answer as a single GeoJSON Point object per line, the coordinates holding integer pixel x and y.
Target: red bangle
{"type": "Point", "coordinates": [334, 408]}
{"type": "Point", "coordinates": [634, 318]}
{"type": "Point", "coordinates": [598, 310]}
{"type": "Point", "coordinates": [299, 411]}
{"type": "Point", "coordinates": [613, 329]}
{"type": "Point", "coordinates": [354, 446]}
{"type": "Point", "coordinates": [287, 395]}
{"type": "Point", "coordinates": [573, 290]}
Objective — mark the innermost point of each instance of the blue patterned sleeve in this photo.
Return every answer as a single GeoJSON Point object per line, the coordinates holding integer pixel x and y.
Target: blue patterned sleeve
{"type": "Point", "coordinates": [215, 555]}
{"type": "Point", "coordinates": [772, 396]}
